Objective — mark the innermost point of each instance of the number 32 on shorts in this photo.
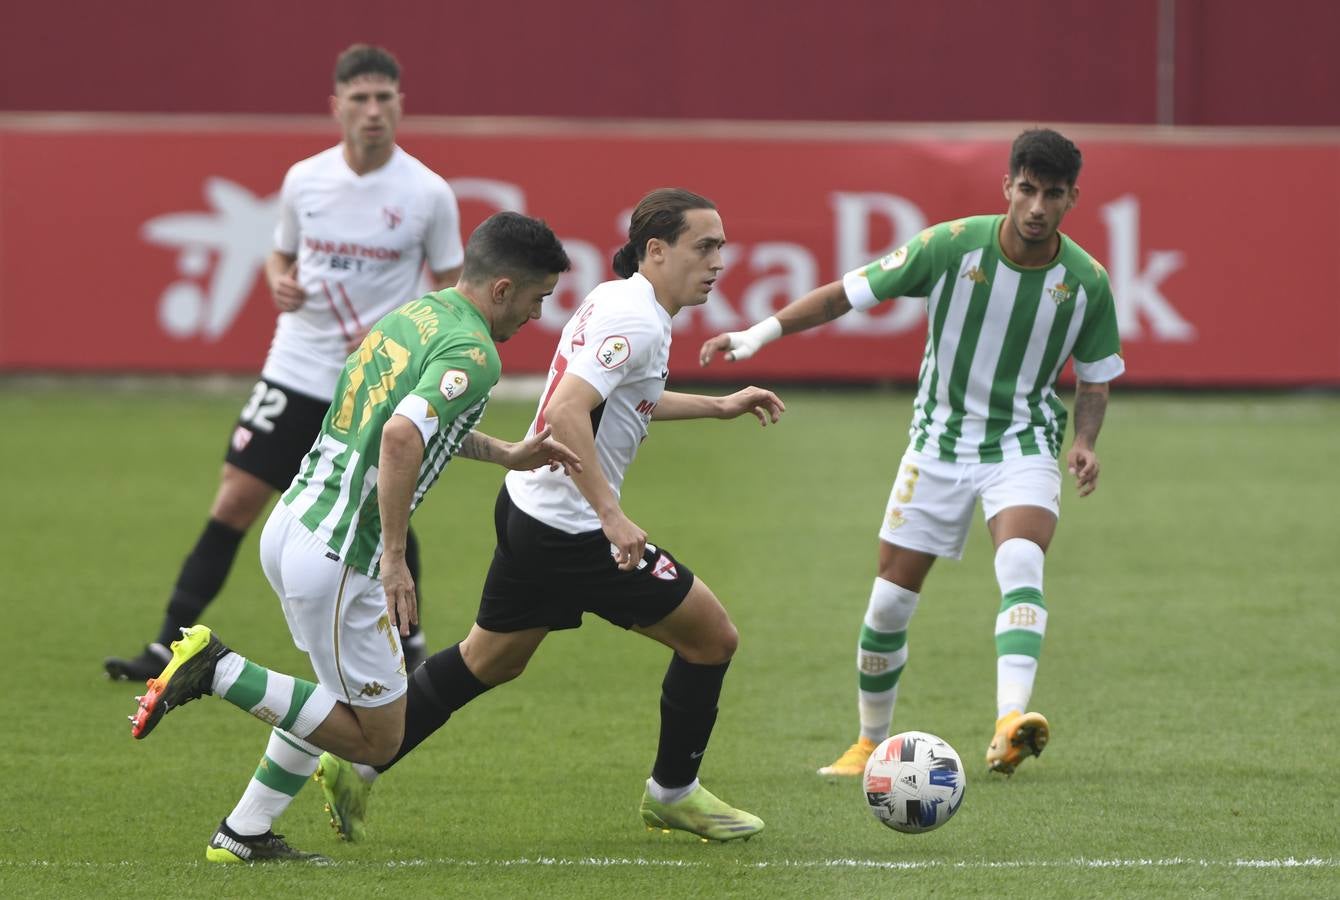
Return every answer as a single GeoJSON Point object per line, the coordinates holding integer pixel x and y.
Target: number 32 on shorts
{"type": "Point", "coordinates": [264, 406]}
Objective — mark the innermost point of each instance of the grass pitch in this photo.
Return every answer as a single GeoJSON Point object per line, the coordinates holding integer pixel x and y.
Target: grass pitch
{"type": "Point", "coordinates": [1189, 671]}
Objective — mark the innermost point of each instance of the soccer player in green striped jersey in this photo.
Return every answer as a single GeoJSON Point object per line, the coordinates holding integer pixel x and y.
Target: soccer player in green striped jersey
{"type": "Point", "coordinates": [333, 549]}
{"type": "Point", "coordinates": [1009, 299]}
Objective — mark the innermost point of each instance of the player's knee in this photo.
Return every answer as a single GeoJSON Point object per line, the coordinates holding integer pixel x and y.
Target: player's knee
{"type": "Point", "coordinates": [240, 500]}
{"type": "Point", "coordinates": [1019, 564]}
{"type": "Point", "coordinates": [891, 607]}
{"type": "Point", "coordinates": [383, 744]}
{"type": "Point", "coordinates": [715, 647]}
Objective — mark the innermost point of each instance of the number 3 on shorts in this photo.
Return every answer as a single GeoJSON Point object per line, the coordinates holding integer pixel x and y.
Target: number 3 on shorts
{"type": "Point", "coordinates": [907, 483]}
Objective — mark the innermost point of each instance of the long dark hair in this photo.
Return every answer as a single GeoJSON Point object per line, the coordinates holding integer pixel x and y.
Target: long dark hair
{"type": "Point", "coordinates": [660, 214]}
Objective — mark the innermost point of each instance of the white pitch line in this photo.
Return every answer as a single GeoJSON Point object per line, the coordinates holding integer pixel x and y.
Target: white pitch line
{"type": "Point", "coordinates": [634, 862]}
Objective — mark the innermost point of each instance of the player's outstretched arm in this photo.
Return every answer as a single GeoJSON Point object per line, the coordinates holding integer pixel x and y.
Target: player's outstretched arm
{"type": "Point", "coordinates": [398, 464]}
{"type": "Point", "coordinates": [1082, 460]}
{"type": "Point", "coordinates": [823, 304]}
{"type": "Point", "coordinates": [535, 451]}
{"type": "Point", "coordinates": [766, 406]}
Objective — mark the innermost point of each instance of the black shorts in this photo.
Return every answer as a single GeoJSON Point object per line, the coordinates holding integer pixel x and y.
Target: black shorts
{"type": "Point", "coordinates": [274, 431]}
{"type": "Point", "coordinates": [542, 577]}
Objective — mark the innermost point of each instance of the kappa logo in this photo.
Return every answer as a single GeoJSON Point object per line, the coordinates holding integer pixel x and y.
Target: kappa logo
{"type": "Point", "coordinates": [614, 351]}
{"type": "Point", "coordinates": [664, 568]}
{"type": "Point", "coordinates": [393, 215]}
{"type": "Point", "coordinates": [241, 437]}
{"type": "Point", "coordinates": [373, 689]}
{"type": "Point", "coordinates": [454, 383]}
{"type": "Point", "coordinates": [894, 260]}
{"type": "Point", "coordinates": [975, 275]}
{"type": "Point", "coordinates": [476, 356]}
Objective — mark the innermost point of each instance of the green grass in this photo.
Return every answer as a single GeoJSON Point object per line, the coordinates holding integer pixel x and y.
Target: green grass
{"type": "Point", "coordinates": [1189, 671]}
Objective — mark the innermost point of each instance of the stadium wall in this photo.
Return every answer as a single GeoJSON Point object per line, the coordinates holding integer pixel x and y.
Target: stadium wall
{"type": "Point", "coordinates": [135, 244]}
{"type": "Point", "coordinates": [1184, 62]}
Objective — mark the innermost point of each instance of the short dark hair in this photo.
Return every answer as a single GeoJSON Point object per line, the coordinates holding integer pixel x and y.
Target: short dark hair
{"type": "Point", "coordinates": [365, 59]}
{"type": "Point", "coordinates": [1047, 154]}
{"type": "Point", "coordinates": [508, 244]}
{"type": "Point", "coordinates": [660, 214]}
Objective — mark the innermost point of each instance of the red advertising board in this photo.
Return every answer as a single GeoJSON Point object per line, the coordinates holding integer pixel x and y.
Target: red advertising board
{"type": "Point", "coordinates": [137, 245]}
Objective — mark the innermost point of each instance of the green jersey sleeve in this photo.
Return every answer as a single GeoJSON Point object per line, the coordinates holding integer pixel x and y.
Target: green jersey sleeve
{"type": "Point", "coordinates": [451, 386]}
{"type": "Point", "coordinates": [1097, 350]}
{"type": "Point", "coordinates": [909, 271]}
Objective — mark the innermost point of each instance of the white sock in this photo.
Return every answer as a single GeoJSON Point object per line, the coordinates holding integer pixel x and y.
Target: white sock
{"type": "Point", "coordinates": [670, 795]}
{"type": "Point", "coordinates": [881, 654]}
{"type": "Point", "coordinates": [1020, 624]}
{"type": "Point", "coordinates": [287, 764]}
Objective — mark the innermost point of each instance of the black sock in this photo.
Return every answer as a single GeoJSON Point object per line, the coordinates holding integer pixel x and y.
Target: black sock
{"type": "Point", "coordinates": [689, 697]}
{"type": "Point", "coordinates": [439, 687]}
{"type": "Point", "coordinates": [412, 563]}
{"type": "Point", "coordinates": [201, 578]}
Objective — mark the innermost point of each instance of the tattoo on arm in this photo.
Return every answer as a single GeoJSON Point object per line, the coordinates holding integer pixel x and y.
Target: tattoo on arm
{"type": "Point", "coordinates": [476, 446]}
{"type": "Point", "coordinates": [1090, 408]}
{"type": "Point", "coordinates": [833, 308]}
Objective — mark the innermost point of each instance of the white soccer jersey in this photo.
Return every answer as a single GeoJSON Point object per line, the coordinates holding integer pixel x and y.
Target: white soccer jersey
{"type": "Point", "coordinates": [618, 341]}
{"type": "Point", "coordinates": [361, 242]}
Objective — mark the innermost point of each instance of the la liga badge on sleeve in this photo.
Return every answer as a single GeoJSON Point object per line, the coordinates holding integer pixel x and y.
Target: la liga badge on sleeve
{"type": "Point", "coordinates": [614, 351]}
{"type": "Point", "coordinates": [454, 383]}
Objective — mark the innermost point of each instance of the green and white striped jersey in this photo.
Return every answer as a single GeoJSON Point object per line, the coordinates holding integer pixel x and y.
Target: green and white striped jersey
{"type": "Point", "coordinates": [432, 361]}
{"type": "Point", "coordinates": [998, 335]}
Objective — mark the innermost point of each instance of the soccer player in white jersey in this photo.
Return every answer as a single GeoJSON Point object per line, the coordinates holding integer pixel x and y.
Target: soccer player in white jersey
{"type": "Point", "coordinates": [333, 548]}
{"type": "Point", "coordinates": [1010, 298]}
{"type": "Point", "coordinates": [565, 546]}
{"type": "Point", "coordinates": [357, 224]}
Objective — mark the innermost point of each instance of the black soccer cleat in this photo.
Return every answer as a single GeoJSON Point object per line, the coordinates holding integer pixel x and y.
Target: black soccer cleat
{"type": "Point", "coordinates": [138, 668]}
{"type": "Point", "coordinates": [227, 846]}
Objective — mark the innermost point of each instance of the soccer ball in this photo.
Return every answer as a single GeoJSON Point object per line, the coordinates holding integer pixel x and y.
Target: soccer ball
{"type": "Point", "coordinates": [914, 782]}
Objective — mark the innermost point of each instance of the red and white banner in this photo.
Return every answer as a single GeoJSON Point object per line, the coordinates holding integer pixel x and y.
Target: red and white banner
{"type": "Point", "coordinates": [137, 245]}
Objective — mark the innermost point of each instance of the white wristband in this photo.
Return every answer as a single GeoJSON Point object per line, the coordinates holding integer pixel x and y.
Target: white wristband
{"type": "Point", "coordinates": [744, 344]}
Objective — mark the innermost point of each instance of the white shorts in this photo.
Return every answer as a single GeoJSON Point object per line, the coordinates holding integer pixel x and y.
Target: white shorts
{"type": "Point", "coordinates": [930, 506]}
{"type": "Point", "coordinates": [337, 614]}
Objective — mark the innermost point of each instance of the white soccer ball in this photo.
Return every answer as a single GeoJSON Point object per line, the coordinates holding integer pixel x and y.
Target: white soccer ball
{"type": "Point", "coordinates": [914, 782]}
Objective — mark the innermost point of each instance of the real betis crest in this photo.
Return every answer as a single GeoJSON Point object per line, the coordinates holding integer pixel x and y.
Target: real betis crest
{"type": "Point", "coordinates": [1061, 293]}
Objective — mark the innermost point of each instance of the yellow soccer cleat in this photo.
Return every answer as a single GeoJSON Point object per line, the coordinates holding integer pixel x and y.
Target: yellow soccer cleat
{"type": "Point", "coordinates": [185, 678]}
{"type": "Point", "coordinates": [1018, 736]}
{"type": "Point", "coordinates": [853, 761]}
{"type": "Point", "coordinates": [700, 813]}
{"type": "Point", "coordinates": [346, 796]}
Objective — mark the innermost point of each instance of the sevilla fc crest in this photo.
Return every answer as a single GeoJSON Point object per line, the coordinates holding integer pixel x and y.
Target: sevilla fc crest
{"type": "Point", "coordinates": [241, 437]}
{"type": "Point", "coordinates": [664, 568]}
